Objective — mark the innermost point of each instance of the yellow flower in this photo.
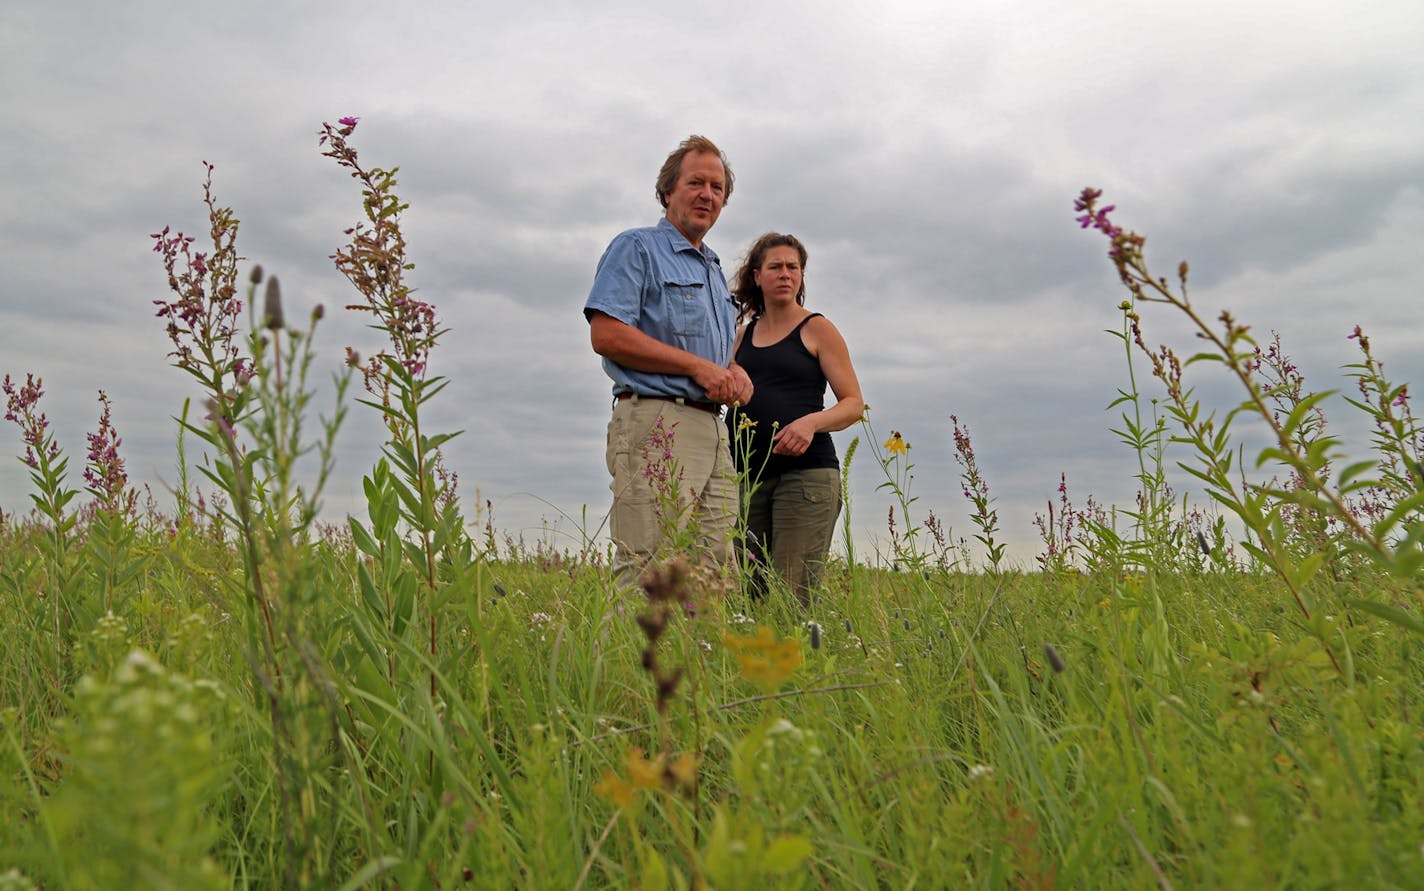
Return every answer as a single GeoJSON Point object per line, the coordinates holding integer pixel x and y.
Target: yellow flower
{"type": "Point", "coordinates": [684, 770]}
{"type": "Point", "coordinates": [644, 773]}
{"type": "Point", "coordinates": [616, 789]}
{"type": "Point", "coordinates": [896, 444]}
{"type": "Point", "coordinates": [763, 659]}
{"type": "Point", "coordinates": [745, 423]}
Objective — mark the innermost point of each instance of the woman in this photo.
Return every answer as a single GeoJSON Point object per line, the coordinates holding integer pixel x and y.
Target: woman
{"type": "Point", "coordinates": [791, 488]}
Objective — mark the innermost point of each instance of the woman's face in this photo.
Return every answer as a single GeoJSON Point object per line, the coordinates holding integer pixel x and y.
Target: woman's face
{"type": "Point", "coordinates": [779, 275]}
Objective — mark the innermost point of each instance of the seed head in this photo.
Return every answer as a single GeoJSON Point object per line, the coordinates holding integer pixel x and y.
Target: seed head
{"type": "Point", "coordinates": [272, 306]}
{"type": "Point", "coordinates": [1055, 661]}
{"type": "Point", "coordinates": [668, 581]}
{"type": "Point", "coordinates": [667, 684]}
{"type": "Point", "coordinates": [653, 623]}
{"type": "Point", "coordinates": [815, 631]}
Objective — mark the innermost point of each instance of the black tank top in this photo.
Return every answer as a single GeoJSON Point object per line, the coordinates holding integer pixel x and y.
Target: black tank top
{"type": "Point", "coordinates": [788, 384]}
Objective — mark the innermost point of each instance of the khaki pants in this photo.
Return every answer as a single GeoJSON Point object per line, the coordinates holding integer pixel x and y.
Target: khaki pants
{"type": "Point", "coordinates": [673, 484]}
{"type": "Point", "coordinates": [790, 521]}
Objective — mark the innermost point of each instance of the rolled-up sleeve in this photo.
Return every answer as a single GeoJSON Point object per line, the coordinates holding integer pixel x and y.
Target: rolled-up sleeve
{"type": "Point", "coordinates": [619, 280]}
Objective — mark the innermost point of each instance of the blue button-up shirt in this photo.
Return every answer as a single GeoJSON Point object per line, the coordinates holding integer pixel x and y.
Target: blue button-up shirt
{"type": "Point", "coordinates": [655, 280]}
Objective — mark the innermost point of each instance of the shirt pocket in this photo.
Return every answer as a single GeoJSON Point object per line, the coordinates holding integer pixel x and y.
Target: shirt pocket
{"type": "Point", "coordinates": [687, 305]}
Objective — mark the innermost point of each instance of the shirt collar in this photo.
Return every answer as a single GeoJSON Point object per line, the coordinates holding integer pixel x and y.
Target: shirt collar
{"type": "Point", "coordinates": [678, 242]}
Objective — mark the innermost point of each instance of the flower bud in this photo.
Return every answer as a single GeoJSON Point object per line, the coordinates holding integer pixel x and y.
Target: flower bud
{"type": "Point", "coordinates": [815, 630]}
{"type": "Point", "coordinates": [272, 306]}
{"type": "Point", "coordinates": [1055, 661]}
{"type": "Point", "coordinates": [255, 275]}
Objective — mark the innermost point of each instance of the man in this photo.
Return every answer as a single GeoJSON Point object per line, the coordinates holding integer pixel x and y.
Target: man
{"type": "Point", "coordinates": [661, 317]}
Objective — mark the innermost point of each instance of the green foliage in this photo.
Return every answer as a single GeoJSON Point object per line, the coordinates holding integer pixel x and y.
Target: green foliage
{"type": "Point", "coordinates": [140, 774]}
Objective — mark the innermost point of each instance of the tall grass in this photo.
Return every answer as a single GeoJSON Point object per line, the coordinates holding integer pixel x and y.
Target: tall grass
{"type": "Point", "coordinates": [235, 695]}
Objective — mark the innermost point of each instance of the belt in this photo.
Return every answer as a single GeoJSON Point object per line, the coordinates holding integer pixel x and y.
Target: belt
{"type": "Point", "coordinates": [709, 407]}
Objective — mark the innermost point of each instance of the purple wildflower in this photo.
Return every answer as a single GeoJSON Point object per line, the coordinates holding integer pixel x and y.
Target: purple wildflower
{"type": "Point", "coordinates": [202, 321]}
{"type": "Point", "coordinates": [658, 459]}
{"type": "Point", "coordinates": [20, 407]}
{"type": "Point", "coordinates": [215, 414]}
{"type": "Point", "coordinates": [104, 471]}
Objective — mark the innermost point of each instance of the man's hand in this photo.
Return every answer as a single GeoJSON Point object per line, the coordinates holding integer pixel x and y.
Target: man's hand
{"type": "Point", "coordinates": [727, 386]}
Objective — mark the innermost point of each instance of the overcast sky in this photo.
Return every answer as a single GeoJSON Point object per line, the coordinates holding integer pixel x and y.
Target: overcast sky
{"type": "Point", "coordinates": [927, 153]}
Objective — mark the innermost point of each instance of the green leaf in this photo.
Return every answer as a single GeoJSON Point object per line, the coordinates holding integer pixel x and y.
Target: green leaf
{"type": "Point", "coordinates": [369, 595]}
{"type": "Point", "coordinates": [1204, 357]}
{"type": "Point", "coordinates": [1302, 409]}
{"type": "Point", "coordinates": [1390, 614]}
{"type": "Point", "coordinates": [1354, 470]}
{"type": "Point", "coordinates": [787, 853]}
{"type": "Point", "coordinates": [1302, 574]}
{"type": "Point", "coordinates": [655, 872]}
{"type": "Point", "coordinates": [717, 856]}
{"type": "Point", "coordinates": [404, 605]}
{"type": "Point", "coordinates": [362, 539]}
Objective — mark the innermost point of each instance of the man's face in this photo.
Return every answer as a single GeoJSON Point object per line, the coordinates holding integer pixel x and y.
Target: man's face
{"type": "Point", "coordinates": [696, 201]}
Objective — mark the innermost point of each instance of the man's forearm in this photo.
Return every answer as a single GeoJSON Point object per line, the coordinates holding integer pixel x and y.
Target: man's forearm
{"type": "Point", "coordinates": [633, 349]}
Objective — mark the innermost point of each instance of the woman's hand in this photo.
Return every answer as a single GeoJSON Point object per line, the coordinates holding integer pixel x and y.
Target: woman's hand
{"type": "Point", "coordinates": [794, 438]}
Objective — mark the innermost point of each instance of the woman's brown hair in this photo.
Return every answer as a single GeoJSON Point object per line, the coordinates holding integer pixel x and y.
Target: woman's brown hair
{"type": "Point", "coordinates": [750, 300]}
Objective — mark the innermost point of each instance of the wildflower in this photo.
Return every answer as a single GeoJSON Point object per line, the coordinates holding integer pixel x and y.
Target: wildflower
{"type": "Point", "coordinates": [616, 789]}
{"type": "Point", "coordinates": [660, 465]}
{"type": "Point", "coordinates": [104, 471]}
{"type": "Point", "coordinates": [763, 659]}
{"type": "Point", "coordinates": [683, 770]}
{"type": "Point", "coordinates": [896, 444]}
{"type": "Point", "coordinates": [20, 402]}
{"type": "Point", "coordinates": [347, 121]}
{"type": "Point", "coordinates": [202, 321]}
{"type": "Point", "coordinates": [643, 772]}
{"type": "Point", "coordinates": [221, 420]}
{"type": "Point", "coordinates": [979, 770]}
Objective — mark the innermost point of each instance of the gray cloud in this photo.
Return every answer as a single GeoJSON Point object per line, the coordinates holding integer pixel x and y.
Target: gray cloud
{"type": "Point", "coordinates": [928, 155]}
